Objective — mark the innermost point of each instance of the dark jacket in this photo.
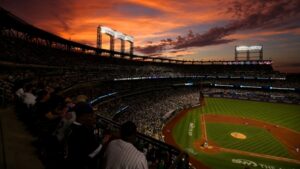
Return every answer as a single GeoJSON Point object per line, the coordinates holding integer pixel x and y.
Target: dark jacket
{"type": "Point", "coordinates": [80, 143]}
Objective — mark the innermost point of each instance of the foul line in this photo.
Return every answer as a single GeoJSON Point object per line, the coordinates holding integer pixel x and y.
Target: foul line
{"type": "Point", "coordinates": [259, 155]}
{"type": "Point", "coordinates": [203, 127]}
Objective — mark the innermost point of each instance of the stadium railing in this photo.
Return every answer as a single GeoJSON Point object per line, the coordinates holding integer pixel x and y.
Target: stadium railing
{"type": "Point", "coordinates": [173, 157]}
{"type": "Point", "coordinates": [2, 150]}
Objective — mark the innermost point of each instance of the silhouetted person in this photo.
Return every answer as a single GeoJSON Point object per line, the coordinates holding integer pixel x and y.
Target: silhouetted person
{"type": "Point", "coordinates": [82, 144]}
{"type": "Point", "coordinates": [121, 153]}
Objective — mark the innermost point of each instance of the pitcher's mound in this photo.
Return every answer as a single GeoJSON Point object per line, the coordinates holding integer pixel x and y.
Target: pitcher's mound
{"type": "Point", "coordinates": [238, 135]}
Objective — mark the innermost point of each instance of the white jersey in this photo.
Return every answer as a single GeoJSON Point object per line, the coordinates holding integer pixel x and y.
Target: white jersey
{"type": "Point", "coordinates": [123, 155]}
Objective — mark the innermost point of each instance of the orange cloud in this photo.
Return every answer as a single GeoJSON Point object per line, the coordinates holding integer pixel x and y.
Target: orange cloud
{"type": "Point", "coordinates": [263, 34]}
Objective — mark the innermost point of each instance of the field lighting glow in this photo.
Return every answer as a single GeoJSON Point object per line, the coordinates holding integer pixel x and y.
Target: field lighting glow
{"type": "Point", "coordinates": [119, 35]}
{"type": "Point", "coordinates": [248, 48]}
{"type": "Point", "coordinates": [107, 30]}
{"type": "Point", "coordinates": [129, 38]}
{"type": "Point", "coordinates": [116, 34]}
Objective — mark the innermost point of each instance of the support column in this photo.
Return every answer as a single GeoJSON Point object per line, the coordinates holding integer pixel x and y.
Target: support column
{"type": "Point", "coordinates": [235, 54]}
{"type": "Point", "coordinates": [131, 48]}
{"type": "Point", "coordinates": [112, 44]}
{"type": "Point", "coordinates": [99, 38]}
{"type": "Point", "coordinates": [261, 57]}
{"type": "Point", "coordinates": [122, 46]}
{"type": "Point", "coordinates": [248, 55]}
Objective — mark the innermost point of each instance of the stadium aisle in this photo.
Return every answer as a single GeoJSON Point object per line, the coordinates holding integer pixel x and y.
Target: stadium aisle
{"type": "Point", "coordinates": [17, 151]}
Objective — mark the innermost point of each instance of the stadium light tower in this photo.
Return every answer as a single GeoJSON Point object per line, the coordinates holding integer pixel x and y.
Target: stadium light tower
{"type": "Point", "coordinates": [121, 36]}
{"type": "Point", "coordinates": [130, 40]}
{"type": "Point", "coordinates": [109, 32]}
{"type": "Point", "coordinates": [114, 35]}
{"type": "Point", "coordinates": [249, 50]}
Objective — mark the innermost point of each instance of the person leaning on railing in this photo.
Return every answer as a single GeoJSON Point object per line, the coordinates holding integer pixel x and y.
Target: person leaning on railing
{"type": "Point", "coordinates": [122, 152]}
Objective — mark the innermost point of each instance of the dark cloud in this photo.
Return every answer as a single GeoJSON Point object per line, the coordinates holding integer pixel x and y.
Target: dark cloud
{"type": "Point", "coordinates": [213, 37]}
{"type": "Point", "coordinates": [86, 42]}
{"type": "Point", "coordinates": [136, 10]}
{"type": "Point", "coordinates": [176, 51]}
{"type": "Point", "coordinates": [150, 49]}
{"type": "Point", "coordinates": [291, 67]}
{"type": "Point", "coordinates": [248, 15]}
{"type": "Point", "coordinates": [291, 64]}
{"type": "Point", "coordinates": [62, 22]}
{"type": "Point", "coordinates": [59, 12]}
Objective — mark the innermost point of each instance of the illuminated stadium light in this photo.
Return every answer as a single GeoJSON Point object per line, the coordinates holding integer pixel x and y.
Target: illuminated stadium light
{"type": "Point", "coordinates": [242, 48]}
{"type": "Point", "coordinates": [254, 52]}
{"type": "Point", "coordinates": [248, 48]}
{"type": "Point", "coordinates": [129, 38]}
{"type": "Point", "coordinates": [255, 47]}
{"type": "Point", "coordinates": [114, 35]}
{"type": "Point", "coordinates": [107, 30]}
{"type": "Point", "coordinates": [119, 35]}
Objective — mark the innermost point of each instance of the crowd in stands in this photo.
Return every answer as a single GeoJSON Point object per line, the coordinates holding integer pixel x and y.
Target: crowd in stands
{"type": "Point", "coordinates": [6, 92]}
{"type": "Point", "coordinates": [147, 109]}
{"type": "Point", "coordinates": [55, 120]}
{"type": "Point", "coordinates": [256, 95]}
{"type": "Point", "coordinates": [66, 130]}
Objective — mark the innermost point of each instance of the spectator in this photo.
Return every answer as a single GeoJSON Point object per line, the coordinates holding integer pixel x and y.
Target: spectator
{"type": "Point", "coordinates": [121, 153]}
{"type": "Point", "coordinates": [82, 142]}
{"type": "Point", "coordinates": [29, 98]}
{"type": "Point", "coordinates": [68, 117]}
{"type": "Point", "coordinates": [20, 92]}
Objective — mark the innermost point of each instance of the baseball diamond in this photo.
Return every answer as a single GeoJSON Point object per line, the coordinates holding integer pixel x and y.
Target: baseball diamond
{"type": "Point", "coordinates": [238, 132]}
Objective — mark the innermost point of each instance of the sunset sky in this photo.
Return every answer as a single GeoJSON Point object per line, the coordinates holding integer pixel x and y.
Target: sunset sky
{"type": "Point", "coordinates": [179, 29]}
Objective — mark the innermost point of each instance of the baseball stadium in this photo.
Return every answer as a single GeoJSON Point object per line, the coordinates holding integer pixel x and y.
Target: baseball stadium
{"type": "Point", "coordinates": [67, 103]}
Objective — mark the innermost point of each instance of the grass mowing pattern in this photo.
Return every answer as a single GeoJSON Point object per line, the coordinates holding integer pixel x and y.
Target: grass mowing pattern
{"type": "Point", "coordinates": [258, 140]}
{"type": "Point", "coordinates": [181, 130]}
{"type": "Point", "coordinates": [224, 161]}
{"type": "Point", "coordinates": [276, 113]}
{"type": "Point", "coordinates": [281, 114]}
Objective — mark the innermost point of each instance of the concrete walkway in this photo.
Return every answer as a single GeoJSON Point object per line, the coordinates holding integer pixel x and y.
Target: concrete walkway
{"type": "Point", "coordinates": [16, 150]}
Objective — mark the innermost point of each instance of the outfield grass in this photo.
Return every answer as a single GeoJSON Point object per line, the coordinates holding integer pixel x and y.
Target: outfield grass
{"type": "Point", "coordinates": [258, 140]}
{"type": "Point", "coordinates": [281, 114]}
{"type": "Point", "coordinates": [181, 131]}
{"type": "Point", "coordinates": [286, 115]}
